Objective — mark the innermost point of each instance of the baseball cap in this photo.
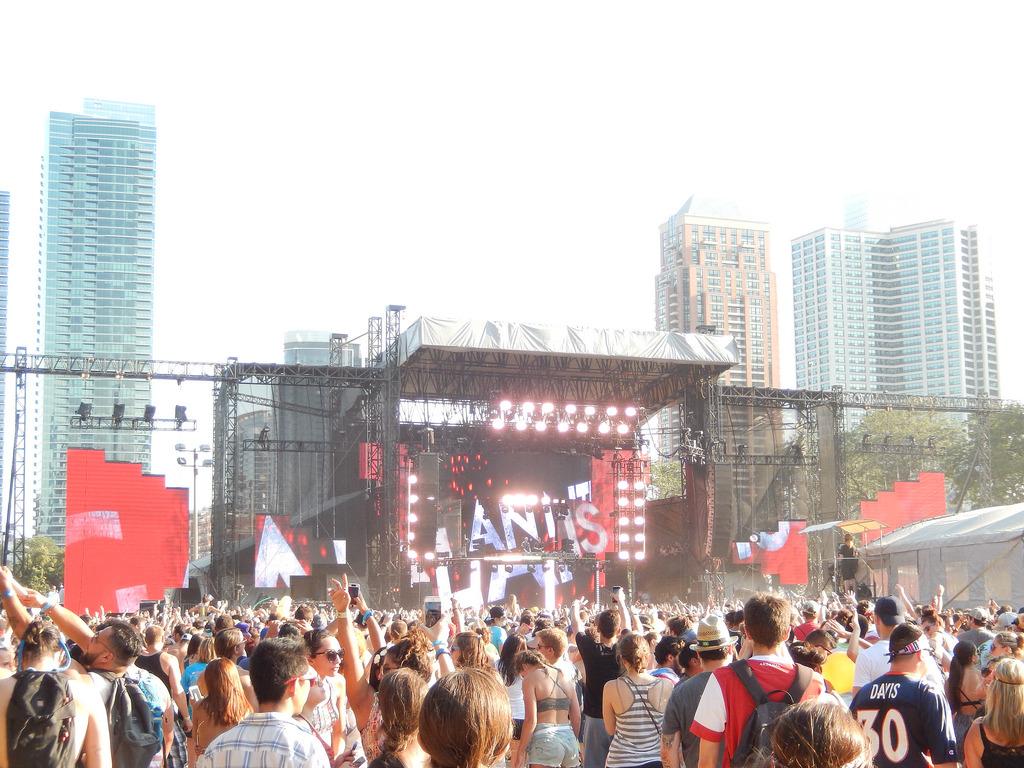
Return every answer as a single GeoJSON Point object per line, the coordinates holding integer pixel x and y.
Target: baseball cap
{"type": "Point", "coordinates": [497, 612]}
{"type": "Point", "coordinates": [809, 607]}
{"type": "Point", "coordinates": [1006, 620]}
{"type": "Point", "coordinates": [979, 614]}
{"type": "Point", "coordinates": [888, 611]}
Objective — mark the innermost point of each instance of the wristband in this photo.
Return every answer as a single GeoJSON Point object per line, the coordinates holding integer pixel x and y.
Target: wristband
{"type": "Point", "coordinates": [8, 593]}
{"type": "Point", "coordinates": [47, 606]}
{"type": "Point", "coordinates": [442, 652]}
{"type": "Point", "coordinates": [439, 644]}
{"type": "Point", "coordinates": [367, 616]}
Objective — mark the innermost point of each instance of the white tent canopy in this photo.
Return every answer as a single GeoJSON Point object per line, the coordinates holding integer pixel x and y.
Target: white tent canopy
{"type": "Point", "coordinates": [979, 526]}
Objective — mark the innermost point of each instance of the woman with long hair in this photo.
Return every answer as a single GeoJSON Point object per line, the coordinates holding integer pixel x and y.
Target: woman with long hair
{"type": "Point", "coordinates": [1007, 644]}
{"type": "Point", "coordinates": [965, 690]}
{"type": "Point", "coordinates": [634, 708]}
{"type": "Point", "coordinates": [506, 667]}
{"type": "Point", "coordinates": [465, 721]}
{"type": "Point", "coordinates": [817, 734]}
{"type": "Point", "coordinates": [996, 740]}
{"type": "Point", "coordinates": [552, 724]}
{"type": "Point", "coordinates": [401, 698]}
{"type": "Point", "coordinates": [324, 711]}
{"type": "Point", "coordinates": [202, 656]}
{"type": "Point", "coordinates": [223, 707]}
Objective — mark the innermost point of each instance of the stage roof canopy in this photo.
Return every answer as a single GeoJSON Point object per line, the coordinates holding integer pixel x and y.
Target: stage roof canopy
{"type": "Point", "coordinates": [478, 360]}
{"type": "Point", "coordinates": [979, 526]}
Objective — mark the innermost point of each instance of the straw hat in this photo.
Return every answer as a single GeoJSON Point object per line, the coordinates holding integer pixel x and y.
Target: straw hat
{"type": "Point", "coordinates": [712, 634]}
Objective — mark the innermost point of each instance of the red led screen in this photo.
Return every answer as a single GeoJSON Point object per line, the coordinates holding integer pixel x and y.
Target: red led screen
{"type": "Point", "coordinates": [127, 534]}
{"type": "Point", "coordinates": [908, 502]}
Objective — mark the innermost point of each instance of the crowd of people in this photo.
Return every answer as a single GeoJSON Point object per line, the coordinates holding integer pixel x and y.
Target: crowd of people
{"type": "Point", "coordinates": [826, 683]}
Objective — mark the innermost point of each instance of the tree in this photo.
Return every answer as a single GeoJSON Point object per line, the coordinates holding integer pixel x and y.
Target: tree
{"type": "Point", "coordinates": [666, 479]}
{"type": "Point", "coordinates": [43, 567]}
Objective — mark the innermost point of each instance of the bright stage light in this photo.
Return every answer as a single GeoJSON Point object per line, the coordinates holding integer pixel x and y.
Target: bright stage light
{"type": "Point", "coordinates": [563, 426]}
{"type": "Point", "coordinates": [413, 479]}
{"type": "Point", "coordinates": [505, 405]}
{"type": "Point", "coordinates": [623, 537]}
{"type": "Point", "coordinates": [528, 407]}
{"type": "Point", "coordinates": [570, 409]}
{"type": "Point", "coordinates": [639, 502]}
{"type": "Point", "coordinates": [623, 501]}
{"type": "Point", "coordinates": [639, 538]}
{"type": "Point", "coordinates": [639, 485]}
{"type": "Point", "coordinates": [622, 429]}
{"type": "Point", "coordinates": [521, 425]}
{"type": "Point", "coordinates": [623, 555]}
{"type": "Point", "coordinates": [541, 426]}
{"type": "Point", "coordinates": [604, 428]}
{"type": "Point", "coordinates": [519, 500]}
{"type": "Point", "coordinates": [612, 410]}
{"type": "Point", "coordinates": [630, 411]}
{"type": "Point", "coordinates": [412, 554]}
{"type": "Point", "coordinates": [412, 536]}
{"type": "Point", "coordinates": [640, 555]}
{"type": "Point", "coordinates": [547, 408]}
{"type": "Point", "coordinates": [508, 500]}
{"type": "Point", "coordinates": [582, 427]}
{"type": "Point", "coordinates": [589, 410]}
{"type": "Point", "coordinates": [545, 499]}
{"type": "Point", "coordinates": [413, 498]}
{"type": "Point", "coordinates": [428, 555]}
{"type": "Point", "coordinates": [413, 518]}
{"type": "Point", "coordinates": [623, 485]}
{"type": "Point", "coordinates": [531, 500]}
{"type": "Point", "coordinates": [638, 520]}
{"type": "Point", "coordinates": [498, 424]}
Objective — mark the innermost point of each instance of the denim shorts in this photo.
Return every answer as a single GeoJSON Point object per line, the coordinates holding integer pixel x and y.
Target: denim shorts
{"type": "Point", "coordinates": [553, 745]}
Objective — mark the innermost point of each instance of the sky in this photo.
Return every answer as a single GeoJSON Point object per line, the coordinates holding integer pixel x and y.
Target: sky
{"type": "Point", "coordinates": [318, 161]}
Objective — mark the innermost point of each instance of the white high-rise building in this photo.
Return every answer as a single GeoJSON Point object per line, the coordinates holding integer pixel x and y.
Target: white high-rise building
{"type": "Point", "coordinates": [908, 311]}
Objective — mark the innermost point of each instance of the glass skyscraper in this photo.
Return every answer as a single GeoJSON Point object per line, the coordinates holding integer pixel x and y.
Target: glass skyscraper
{"type": "Point", "coordinates": [909, 311]}
{"type": "Point", "coordinates": [96, 275]}
{"type": "Point", "coordinates": [5, 226]}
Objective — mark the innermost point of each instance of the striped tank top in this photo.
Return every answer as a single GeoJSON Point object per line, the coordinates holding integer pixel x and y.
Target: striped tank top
{"type": "Point", "coordinates": [637, 738]}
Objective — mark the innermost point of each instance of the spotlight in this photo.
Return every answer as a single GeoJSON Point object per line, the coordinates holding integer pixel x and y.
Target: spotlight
{"type": "Point", "coordinates": [540, 426]}
{"type": "Point", "coordinates": [623, 501]}
{"type": "Point", "coordinates": [570, 409]}
{"type": "Point", "coordinates": [639, 502]}
{"type": "Point", "coordinates": [589, 410]}
{"type": "Point", "coordinates": [118, 415]}
{"type": "Point", "coordinates": [623, 537]}
{"type": "Point", "coordinates": [582, 427]}
{"type": "Point", "coordinates": [521, 425]}
{"type": "Point", "coordinates": [412, 536]}
{"type": "Point", "coordinates": [639, 538]}
{"type": "Point", "coordinates": [498, 424]}
{"type": "Point", "coordinates": [413, 498]}
{"type": "Point", "coordinates": [623, 485]}
{"type": "Point", "coordinates": [612, 410]}
{"type": "Point", "coordinates": [84, 410]}
{"type": "Point", "coordinates": [428, 555]}
{"type": "Point", "coordinates": [623, 555]}
{"type": "Point", "coordinates": [639, 485]}
{"type": "Point", "coordinates": [182, 462]}
{"type": "Point", "coordinates": [545, 500]}
{"type": "Point", "coordinates": [604, 428]}
{"type": "Point", "coordinates": [640, 555]}
{"type": "Point", "coordinates": [413, 518]}
{"type": "Point", "coordinates": [519, 500]}
{"type": "Point", "coordinates": [505, 405]}
{"type": "Point", "coordinates": [622, 429]}
{"type": "Point", "coordinates": [563, 426]}
{"type": "Point", "coordinates": [508, 569]}
{"type": "Point", "coordinates": [413, 479]}
{"type": "Point", "coordinates": [531, 500]}
{"type": "Point", "coordinates": [149, 413]}
{"type": "Point", "coordinates": [547, 408]}
{"type": "Point", "coordinates": [412, 554]}
{"type": "Point", "coordinates": [630, 411]}
{"type": "Point", "coordinates": [180, 416]}
{"type": "Point", "coordinates": [528, 407]}
{"type": "Point", "coordinates": [638, 520]}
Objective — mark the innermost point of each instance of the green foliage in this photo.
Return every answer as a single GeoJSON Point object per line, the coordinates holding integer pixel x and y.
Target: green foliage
{"type": "Point", "coordinates": [666, 479]}
{"type": "Point", "coordinates": [1006, 437]}
{"type": "Point", "coordinates": [43, 567]}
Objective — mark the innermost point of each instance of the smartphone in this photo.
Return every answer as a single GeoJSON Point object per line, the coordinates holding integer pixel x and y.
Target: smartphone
{"type": "Point", "coordinates": [432, 610]}
{"type": "Point", "coordinates": [194, 695]}
{"type": "Point", "coordinates": [353, 591]}
{"type": "Point", "coordinates": [616, 589]}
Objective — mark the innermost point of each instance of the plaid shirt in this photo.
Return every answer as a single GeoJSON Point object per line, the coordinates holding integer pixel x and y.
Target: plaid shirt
{"type": "Point", "coordinates": [265, 740]}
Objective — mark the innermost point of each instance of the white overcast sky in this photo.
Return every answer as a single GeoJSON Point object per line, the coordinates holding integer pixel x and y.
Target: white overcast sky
{"type": "Point", "coordinates": [317, 161]}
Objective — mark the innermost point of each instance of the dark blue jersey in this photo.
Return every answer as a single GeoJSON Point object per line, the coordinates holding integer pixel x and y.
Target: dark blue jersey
{"type": "Point", "coordinates": [907, 721]}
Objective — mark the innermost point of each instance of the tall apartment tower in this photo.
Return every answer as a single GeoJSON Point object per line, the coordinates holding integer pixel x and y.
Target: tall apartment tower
{"type": "Point", "coordinates": [96, 282]}
{"type": "Point", "coordinates": [909, 311]}
{"type": "Point", "coordinates": [716, 271]}
{"type": "Point", "coordinates": [5, 229]}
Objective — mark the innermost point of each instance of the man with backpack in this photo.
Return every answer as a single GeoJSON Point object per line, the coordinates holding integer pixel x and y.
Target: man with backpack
{"type": "Point", "coordinates": [742, 699]}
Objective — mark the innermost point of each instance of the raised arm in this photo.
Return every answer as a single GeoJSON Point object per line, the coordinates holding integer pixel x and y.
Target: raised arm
{"type": "Point", "coordinates": [373, 628]}
{"type": "Point", "coordinates": [357, 683]}
{"type": "Point", "coordinates": [577, 620]}
{"type": "Point", "coordinates": [17, 614]}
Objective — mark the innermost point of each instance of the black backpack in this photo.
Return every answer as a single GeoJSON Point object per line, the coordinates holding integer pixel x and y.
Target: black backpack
{"type": "Point", "coordinates": [754, 741]}
{"type": "Point", "coordinates": [41, 721]}
{"type": "Point", "coordinates": [135, 724]}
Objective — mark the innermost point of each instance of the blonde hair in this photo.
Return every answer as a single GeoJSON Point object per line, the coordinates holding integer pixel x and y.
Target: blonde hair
{"type": "Point", "coordinates": [1004, 704]}
{"type": "Point", "coordinates": [206, 651]}
{"type": "Point", "coordinates": [465, 720]}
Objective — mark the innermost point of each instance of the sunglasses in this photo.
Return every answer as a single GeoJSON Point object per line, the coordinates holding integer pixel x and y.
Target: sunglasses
{"type": "Point", "coordinates": [332, 656]}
